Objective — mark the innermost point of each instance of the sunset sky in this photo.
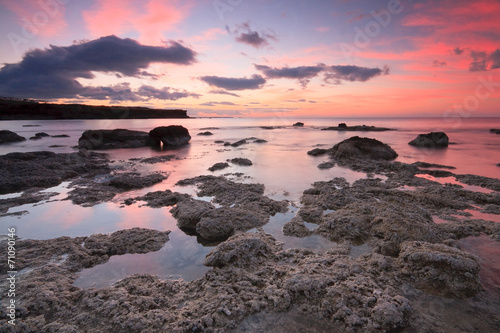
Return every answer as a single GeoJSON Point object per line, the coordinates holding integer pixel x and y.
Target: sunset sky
{"type": "Point", "coordinates": [257, 58]}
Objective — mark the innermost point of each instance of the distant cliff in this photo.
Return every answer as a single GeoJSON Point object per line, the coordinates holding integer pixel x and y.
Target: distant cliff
{"type": "Point", "coordinates": [17, 109]}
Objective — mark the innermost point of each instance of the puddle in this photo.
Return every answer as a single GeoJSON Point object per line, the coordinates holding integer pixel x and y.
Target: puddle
{"type": "Point", "coordinates": [311, 226]}
{"type": "Point", "coordinates": [439, 220]}
{"type": "Point", "coordinates": [357, 250]}
{"type": "Point", "coordinates": [488, 252]}
{"type": "Point", "coordinates": [453, 181]}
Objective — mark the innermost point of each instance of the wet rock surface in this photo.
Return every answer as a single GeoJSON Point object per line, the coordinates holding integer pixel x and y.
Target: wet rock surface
{"type": "Point", "coordinates": [173, 135]}
{"type": "Point", "coordinates": [113, 139]}
{"type": "Point", "coordinates": [218, 166]}
{"type": "Point", "coordinates": [362, 148]}
{"type": "Point", "coordinates": [357, 128]}
{"type": "Point", "coordinates": [431, 140]}
{"type": "Point", "coordinates": [9, 136]}
{"type": "Point", "coordinates": [241, 161]}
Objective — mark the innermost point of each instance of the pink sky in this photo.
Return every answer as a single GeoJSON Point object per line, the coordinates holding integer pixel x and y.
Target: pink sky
{"type": "Point", "coordinates": [336, 58]}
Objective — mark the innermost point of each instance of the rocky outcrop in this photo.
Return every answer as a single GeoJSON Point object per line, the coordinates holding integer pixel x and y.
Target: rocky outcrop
{"type": "Point", "coordinates": [241, 161]}
{"type": "Point", "coordinates": [495, 131]}
{"type": "Point", "coordinates": [218, 166]}
{"type": "Point", "coordinates": [317, 152]}
{"type": "Point", "coordinates": [357, 128]}
{"type": "Point", "coordinates": [298, 124]}
{"type": "Point", "coordinates": [45, 169]}
{"type": "Point", "coordinates": [173, 135]}
{"type": "Point", "coordinates": [362, 148]}
{"type": "Point", "coordinates": [113, 139]}
{"type": "Point", "coordinates": [9, 136]}
{"type": "Point", "coordinates": [207, 133]}
{"type": "Point", "coordinates": [431, 140]}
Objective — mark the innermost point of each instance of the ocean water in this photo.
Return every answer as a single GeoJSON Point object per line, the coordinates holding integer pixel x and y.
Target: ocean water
{"type": "Point", "coordinates": [281, 164]}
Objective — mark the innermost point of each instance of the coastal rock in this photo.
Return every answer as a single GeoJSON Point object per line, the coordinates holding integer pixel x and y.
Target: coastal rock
{"type": "Point", "coordinates": [218, 224]}
{"type": "Point", "coordinates": [432, 165]}
{"type": "Point", "coordinates": [113, 139]}
{"type": "Point", "coordinates": [36, 138]}
{"type": "Point", "coordinates": [326, 165]}
{"type": "Point", "coordinates": [298, 124]}
{"type": "Point", "coordinates": [60, 136]}
{"type": "Point", "coordinates": [495, 131]}
{"type": "Point", "coordinates": [8, 137]}
{"type": "Point", "coordinates": [173, 135]}
{"type": "Point", "coordinates": [247, 250]}
{"type": "Point", "coordinates": [486, 182]}
{"type": "Point", "coordinates": [317, 152]}
{"type": "Point", "coordinates": [296, 228]}
{"type": "Point", "coordinates": [207, 133]}
{"type": "Point", "coordinates": [219, 166]}
{"type": "Point", "coordinates": [159, 199]}
{"type": "Point", "coordinates": [362, 148]}
{"type": "Point", "coordinates": [131, 180]}
{"type": "Point", "coordinates": [43, 169]}
{"type": "Point", "coordinates": [42, 135]}
{"type": "Point", "coordinates": [238, 143]}
{"type": "Point", "coordinates": [241, 161]}
{"type": "Point", "coordinates": [260, 141]}
{"type": "Point", "coordinates": [188, 213]}
{"type": "Point", "coordinates": [431, 140]}
{"type": "Point", "coordinates": [440, 269]}
{"type": "Point", "coordinates": [156, 159]}
{"type": "Point", "coordinates": [357, 128]}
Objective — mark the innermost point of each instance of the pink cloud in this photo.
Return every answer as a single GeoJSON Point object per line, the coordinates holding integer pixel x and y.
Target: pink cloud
{"type": "Point", "coordinates": [115, 17]}
{"type": "Point", "coordinates": [323, 29]}
{"type": "Point", "coordinates": [40, 18]}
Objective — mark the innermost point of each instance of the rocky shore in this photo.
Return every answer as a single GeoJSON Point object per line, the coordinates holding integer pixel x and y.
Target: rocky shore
{"type": "Point", "coordinates": [391, 267]}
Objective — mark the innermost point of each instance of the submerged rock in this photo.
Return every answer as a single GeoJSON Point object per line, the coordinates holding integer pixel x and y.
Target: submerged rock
{"type": "Point", "coordinates": [317, 152]}
{"type": "Point", "coordinates": [326, 165]}
{"type": "Point", "coordinates": [8, 137]}
{"type": "Point", "coordinates": [218, 166]}
{"type": "Point", "coordinates": [357, 128]}
{"type": "Point", "coordinates": [131, 180]}
{"type": "Point", "coordinates": [298, 124]}
{"type": "Point", "coordinates": [495, 131]}
{"type": "Point", "coordinates": [113, 139]}
{"type": "Point", "coordinates": [241, 161]}
{"type": "Point", "coordinates": [238, 143]}
{"type": "Point", "coordinates": [207, 133]}
{"type": "Point", "coordinates": [362, 148]}
{"type": "Point", "coordinates": [431, 140]}
{"type": "Point", "coordinates": [173, 135]}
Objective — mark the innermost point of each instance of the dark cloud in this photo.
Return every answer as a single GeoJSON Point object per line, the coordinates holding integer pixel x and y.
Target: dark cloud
{"type": "Point", "coordinates": [495, 58]}
{"type": "Point", "coordinates": [479, 61]}
{"type": "Point", "coordinates": [165, 93]}
{"type": "Point", "coordinates": [223, 92]}
{"type": "Point", "coordinates": [437, 63]}
{"type": "Point", "coordinates": [332, 74]}
{"type": "Point", "coordinates": [458, 51]}
{"type": "Point", "coordinates": [227, 83]}
{"type": "Point", "coordinates": [51, 73]}
{"type": "Point", "coordinates": [301, 73]}
{"type": "Point", "coordinates": [216, 103]}
{"type": "Point", "coordinates": [243, 34]}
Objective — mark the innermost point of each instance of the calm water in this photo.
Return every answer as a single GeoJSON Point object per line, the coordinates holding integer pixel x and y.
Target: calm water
{"type": "Point", "coordinates": [281, 164]}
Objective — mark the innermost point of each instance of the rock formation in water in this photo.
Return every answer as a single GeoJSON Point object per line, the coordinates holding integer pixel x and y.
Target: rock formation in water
{"type": "Point", "coordinates": [173, 135]}
{"type": "Point", "coordinates": [431, 140]}
{"type": "Point", "coordinates": [9, 136]}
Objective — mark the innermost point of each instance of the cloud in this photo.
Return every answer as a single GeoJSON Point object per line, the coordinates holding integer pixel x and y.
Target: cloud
{"type": "Point", "coordinates": [495, 57]}
{"type": "Point", "coordinates": [437, 63]}
{"type": "Point", "coordinates": [53, 72]}
{"type": "Point", "coordinates": [332, 74]}
{"type": "Point", "coordinates": [255, 82]}
{"type": "Point", "coordinates": [322, 29]}
{"type": "Point", "coordinates": [164, 93]}
{"type": "Point", "coordinates": [479, 63]}
{"type": "Point", "coordinates": [216, 103]}
{"type": "Point", "coordinates": [458, 51]}
{"type": "Point", "coordinates": [301, 73]}
{"type": "Point", "coordinates": [223, 92]}
{"type": "Point", "coordinates": [253, 38]}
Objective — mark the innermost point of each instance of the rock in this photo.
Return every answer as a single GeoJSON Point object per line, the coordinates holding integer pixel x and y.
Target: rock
{"type": "Point", "coordinates": [244, 250]}
{"type": "Point", "coordinates": [42, 134]}
{"type": "Point", "coordinates": [311, 214]}
{"type": "Point", "coordinates": [326, 165]}
{"type": "Point", "coordinates": [60, 136]}
{"type": "Point", "coordinates": [357, 128]}
{"type": "Point", "coordinates": [296, 228]}
{"type": "Point", "coordinates": [173, 135]}
{"type": "Point", "coordinates": [156, 159]}
{"type": "Point", "coordinates": [129, 181]}
{"type": "Point", "coordinates": [205, 133]}
{"type": "Point", "coordinates": [317, 152]}
{"type": "Point", "coordinates": [238, 143]}
{"type": "Point", "coordinates": [298, 124]}
{"type": "Point", "coordinates": [113, 139]}
{"type": "Point", "coordinates": [486, 182]}
{"type": "Point", "coordinates": [219, 224]}
{"type": "Point", "coordinates": [440, 269]}
{"type": "Point", "coordinates": [8, 137]}
{"type": "Point", "coordinates": [495, 131]}
{"type": "Point", "coordinates": [431, 140]}
{"type": "Point", "coordinates": [35, 138]}
{"type": "Point", "coordinates": [491, 209]}
{"type": "Point", "coordinates": [218, 166]}
{"type": "Point", "coordinates": [21, 171]}
{"type": "Point", "coordinates": [241, 161]}
{"type": "Point", "coordinates": [159, 199]}
{"type": "Point", "coordinates": [188, 213]}
{"type": "Point", "coordinates": [432, 165]}
{"type": "Point", "coordinates": [219, 141]}
{"type": "Point", "coordinates": [439, 173]}
{"type": "Point", "coordinates": [362, 148]}
{"type": "Point", "coordinates": [260, 141]}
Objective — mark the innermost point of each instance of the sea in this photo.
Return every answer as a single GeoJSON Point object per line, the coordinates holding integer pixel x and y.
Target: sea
{"type": "Point", "coordinates": [281, 164]}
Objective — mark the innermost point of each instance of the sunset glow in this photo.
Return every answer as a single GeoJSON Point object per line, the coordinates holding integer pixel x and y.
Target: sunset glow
{"type": "Point", "coordinates": [257, 58]}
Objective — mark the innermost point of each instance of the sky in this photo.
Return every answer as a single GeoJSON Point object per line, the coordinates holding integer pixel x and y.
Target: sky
{"type": "Point", "coordinates": [257, 58]}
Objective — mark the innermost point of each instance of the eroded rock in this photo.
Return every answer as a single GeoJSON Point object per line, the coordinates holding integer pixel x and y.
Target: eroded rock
{"type": "Point", "coordinates": [431, 140]}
